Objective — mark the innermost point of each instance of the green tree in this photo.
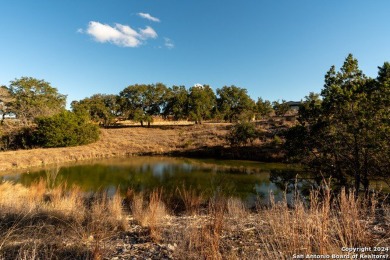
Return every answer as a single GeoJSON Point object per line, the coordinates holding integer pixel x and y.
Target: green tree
{"type": "Point", "coordinates": [65, 129]}
{"type": "Point", "coordinates": [34, 98]}
{"type": "Point", "coordinates": [142, 102]}
{"type": "Point", "coordinates": [310, 108]}
{"type": "Point", "coordinates": [101, 108]}
{"type": "Point", "coordinates": [201, 103]}
{"type": "Point", "coordinates": [263, 108]}
{"type": "Point", "coordinates": [5, 102]}
{"type": "Point", "coordinates": [176, 103]}
{"type": "Point", "coordinates": [346, 135]}
{"type": "Point", "coordinates": [234, 103]}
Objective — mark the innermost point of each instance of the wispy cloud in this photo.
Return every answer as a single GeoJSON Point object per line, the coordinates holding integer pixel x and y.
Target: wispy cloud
{"type": "Point", "coordinates": [148, 32]}
{"type": "Point", "coordinates": [169, 43]}
{"type": "Point", "coordinates": [120, 35]}
{"type": "Point", "coordinates": [149, 17]}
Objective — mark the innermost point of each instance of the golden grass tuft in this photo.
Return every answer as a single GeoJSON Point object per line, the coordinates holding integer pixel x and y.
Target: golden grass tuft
{"type": "Point", "coordinates": [191, 199]}
{"type": "Point", "coordinates": [37, 222]}
{"type": "Point", "coordinates": [149, 213]}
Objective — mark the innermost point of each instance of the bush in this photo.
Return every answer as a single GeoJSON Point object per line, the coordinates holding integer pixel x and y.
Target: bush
{"type": "Point", "coordinates": [65, 129]}
{"type": "Point", "coordinates": [17, 138]}
{"type": "Point", "coordinates": [242, 134]}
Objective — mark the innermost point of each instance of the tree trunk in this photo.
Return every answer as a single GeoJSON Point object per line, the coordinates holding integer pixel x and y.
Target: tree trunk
{"type": "Point", "coordinates": [357, 167]}
{"type": "Point", "coordinates": [365, 181]}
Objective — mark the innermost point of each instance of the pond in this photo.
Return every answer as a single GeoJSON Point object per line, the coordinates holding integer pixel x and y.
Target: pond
{"type": "Point", "coordinates": [250, 181]}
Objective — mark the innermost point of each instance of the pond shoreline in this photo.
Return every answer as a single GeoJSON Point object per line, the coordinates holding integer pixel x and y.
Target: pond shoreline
{"type": "Point", "coordinates": [196, 141]}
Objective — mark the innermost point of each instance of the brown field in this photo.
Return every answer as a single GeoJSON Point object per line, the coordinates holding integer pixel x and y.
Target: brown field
{"type": "Point", "coordinates": [122, 142]}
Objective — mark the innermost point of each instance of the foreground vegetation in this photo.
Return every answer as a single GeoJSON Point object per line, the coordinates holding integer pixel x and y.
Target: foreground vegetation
{"type": "Point", "coordinates": [62, 223]}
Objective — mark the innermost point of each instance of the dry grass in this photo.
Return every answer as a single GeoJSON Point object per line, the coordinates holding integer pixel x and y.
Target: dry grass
{"type": "Point", "coordinates": [41, 223]}
{"type": "Point", "coordinates": [324, 226]}
{"type": "Point", "coordinates": [191, 199]}
{"type": "Point", "coordinates": [60, 223]}
{"type": "Point", "coordinates": [149, 213]}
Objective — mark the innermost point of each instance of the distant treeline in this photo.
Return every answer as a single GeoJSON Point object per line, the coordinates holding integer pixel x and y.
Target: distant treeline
{"type": "Point", "coordinates": [30, 98]}
{"type": "Point", "coordinates": [36, 104]}
{"type": "Point", "coordinates": [142, 102]}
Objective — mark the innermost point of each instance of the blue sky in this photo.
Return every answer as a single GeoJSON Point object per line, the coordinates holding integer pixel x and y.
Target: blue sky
{"type": "Point", "coordinates": [275, 49]}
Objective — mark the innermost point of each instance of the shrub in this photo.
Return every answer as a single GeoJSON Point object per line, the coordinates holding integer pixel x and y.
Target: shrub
{"type": "Point", "coordinates": [242, 134]}
{"type": "Point", "coordinates": [16, 138]}
{"type": "Point", "coordinates": [65, 129]}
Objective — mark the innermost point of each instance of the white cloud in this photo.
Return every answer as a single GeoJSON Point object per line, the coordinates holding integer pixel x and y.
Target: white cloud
{"type": "Point", "coordinates": [149, 17]}
{"type": "Point", "coordinates": [148, 32]}
{"type": "Point", "coordinates": [79, 30]}
{"type": "Point", "coordinates": [169, 43]}
{"type": "Point", "coordinates": [121, 35]}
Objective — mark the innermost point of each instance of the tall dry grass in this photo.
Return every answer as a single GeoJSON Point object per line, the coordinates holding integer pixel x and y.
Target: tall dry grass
{"type": "Point", "coordinates": [148, 212]}
{"type": "Point", "coordinates": [191, 199]}
{"type": "Point", "coordinates": [44, 223]}
{"type": "Point", "coordinates": [323, 224]}
{"type": "Point", "coordinates": [329, 223]}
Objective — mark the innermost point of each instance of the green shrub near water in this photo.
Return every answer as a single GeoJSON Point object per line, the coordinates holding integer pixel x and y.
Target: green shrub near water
{"type": "Point", "coordinates": [65, 129]}
{"type": "Point", "coordinates": [242, 133]}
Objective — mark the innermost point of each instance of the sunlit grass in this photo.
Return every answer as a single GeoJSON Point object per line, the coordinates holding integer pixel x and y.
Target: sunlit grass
{"type": "Point", "coordinates": [61, 222]}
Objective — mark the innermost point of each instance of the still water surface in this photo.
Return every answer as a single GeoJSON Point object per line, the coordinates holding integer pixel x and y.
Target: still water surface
{"type": "Point", "coordinates": [251, 181]}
